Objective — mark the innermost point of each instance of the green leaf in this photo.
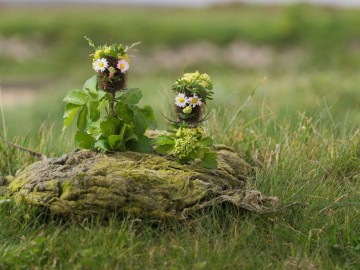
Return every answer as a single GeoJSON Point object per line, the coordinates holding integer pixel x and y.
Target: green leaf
{"type": "Point", "coordinates": [128, 133]}
{"type": "Point", "coordinates": [199, 153]}
{"type": "Point", "coordinates": [82, 118]}
{"type": "Point", "coordinates": [91, 85]}
{"type": "Point", "coordinates": [69, 113]}
{"type": "Point", "coordinates": [148, 112]}
{"type": "Point", "coordinates": [116, 142]}
{"type": "Point", "coordinates": [102, 145]}
{"type": "Point", "coordinates": [186, 116]}
{"type": "Point", "coordinates": [84, 140]}
{"type": "Point", "coordinates": [95, 130]}
{"type": "Point", "coordinates": [209, 160]}
{"type": "Point", "coordinates": [124, 112]}
{"type": "Point", "coordinates": [164, 149]}
{"type": "Point", "coordinates": [110, 126]}
{"type": "Point", "coordinates": [162, 140]}
{"type": "Point", "coordinates": [131, 137]}
{"type": "Point", "coordinates": [102, 103]}
{"type": "Point", "coordinates": [131, 96]}
{"type": "Point", "coordinates": [207, 142]}
{"type": "Point", "coordinates": [77, 97]}
{"type": "Point", "coordinates": [94, 112]}
{"type": "Point", "coordinates": [143, 145]}
{"type": "Point", "coordinates": [101, 95]}
{"type": "Point", "coordinates": [140, 123]}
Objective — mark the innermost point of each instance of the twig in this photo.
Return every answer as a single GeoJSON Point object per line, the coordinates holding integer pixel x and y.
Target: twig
{"type": "Point", "coordinates": [31, 152]}
{"type": "Point", "coordinates": [171, 121]}
{"type": "Point", "coordinates": [200, 121]}
{"type": "Point", "coordinates": [207, 117]}
{"type": "Point", "coordinates": [4, 129]}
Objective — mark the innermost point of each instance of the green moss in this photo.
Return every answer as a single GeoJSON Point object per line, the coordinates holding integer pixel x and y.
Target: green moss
{"type": "Point", "coordinates": [17, 184]}
{"type": "Point", "coordinates": [66, 190]}
{"type": "Point", "coordinates": [141, 185]}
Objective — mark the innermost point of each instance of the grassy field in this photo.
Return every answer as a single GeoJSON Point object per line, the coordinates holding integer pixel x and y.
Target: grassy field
{"type": "Point", "coordinates": [300, 131]}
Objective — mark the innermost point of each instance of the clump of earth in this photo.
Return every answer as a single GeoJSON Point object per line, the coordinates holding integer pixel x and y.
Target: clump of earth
{"type": "Point", "coordinates": [85, 183]}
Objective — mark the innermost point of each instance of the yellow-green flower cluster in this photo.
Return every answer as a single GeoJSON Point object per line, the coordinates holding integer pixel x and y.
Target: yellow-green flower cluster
{"type": "Point", "coordinates": [108, 51]}
{"type": "Point", "coordinates": [202, 79]}
{"type": "Point", "coordinates": [187, 140]}
{"type": "Point", "coordinates": [197, 84]}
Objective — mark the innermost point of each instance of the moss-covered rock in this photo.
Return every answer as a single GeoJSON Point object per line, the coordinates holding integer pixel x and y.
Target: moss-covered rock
{"type": "Point", "coordinates": [83, 183]}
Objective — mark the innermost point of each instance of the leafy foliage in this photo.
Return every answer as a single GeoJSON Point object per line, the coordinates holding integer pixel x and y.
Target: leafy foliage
{"type": "Point", "coordinates": [114, 50]}
{"type": "Point", "coordinates": [187, 144]}
{"type": "Point", "coordinates": [97, 129]}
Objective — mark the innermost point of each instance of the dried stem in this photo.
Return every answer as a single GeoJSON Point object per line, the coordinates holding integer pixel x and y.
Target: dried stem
{"type": "Point", "coordinates": [31, 152]}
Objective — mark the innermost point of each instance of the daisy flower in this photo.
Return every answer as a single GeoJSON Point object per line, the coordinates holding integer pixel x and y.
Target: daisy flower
{"type": "Point", "coordinates": [100, 65]}
{"type": "Point", "coordinates": [181, 100]}
{"type": "Point", "coordinates": [194, 100]}
{"type": "Point", "coordinates": [123, 65]}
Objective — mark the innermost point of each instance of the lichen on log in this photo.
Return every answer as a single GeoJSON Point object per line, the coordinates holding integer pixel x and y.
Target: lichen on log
{"type": "Point", "coordinates": [84, 183]}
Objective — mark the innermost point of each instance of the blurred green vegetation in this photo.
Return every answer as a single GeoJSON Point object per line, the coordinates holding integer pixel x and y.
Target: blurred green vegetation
{"type": "Point", "coordinates": [328, 34]}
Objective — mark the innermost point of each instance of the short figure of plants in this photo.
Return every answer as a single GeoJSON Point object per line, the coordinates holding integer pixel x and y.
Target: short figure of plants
{"type": "Point", "coordinates": [108, 115]}
{"type": "Point", "coordinates": [186, 140]}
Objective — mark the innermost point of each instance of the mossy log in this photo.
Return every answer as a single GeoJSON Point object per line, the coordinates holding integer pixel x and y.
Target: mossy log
{"type": "Point", "coordinates": [84, 183]}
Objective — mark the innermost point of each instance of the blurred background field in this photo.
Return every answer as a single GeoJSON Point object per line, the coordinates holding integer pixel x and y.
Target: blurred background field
{"type": "Point", "coordinates": [310, 56]}
{"type": "Point", "coordinates": [300, 130]}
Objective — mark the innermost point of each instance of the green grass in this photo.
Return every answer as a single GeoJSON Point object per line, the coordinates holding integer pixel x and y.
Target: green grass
{"type": "Point", "coordinates": [320, 233]}
{"type": "Point", "coordinates": [300, 131]}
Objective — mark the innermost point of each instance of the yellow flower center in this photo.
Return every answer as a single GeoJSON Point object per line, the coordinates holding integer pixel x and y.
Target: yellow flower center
{"type": "Point", "coordinates": [122, 66]}
{"type": "Point", "coordinates": [101, 64]}
{"type": "Point", "coordinates": [181, 99]}
{"type": "Point", "coordinates": [194, 100]}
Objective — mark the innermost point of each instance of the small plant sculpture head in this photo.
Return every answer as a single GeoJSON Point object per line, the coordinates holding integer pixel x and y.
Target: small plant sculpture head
{"type": "Point", "coordinates": [192, 92]}
{"type": "Point", "coordinates": [111, 63]}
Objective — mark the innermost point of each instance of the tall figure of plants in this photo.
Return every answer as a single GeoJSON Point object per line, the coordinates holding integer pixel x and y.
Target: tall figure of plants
{"type": "Point", "coordinates": [108, 117]}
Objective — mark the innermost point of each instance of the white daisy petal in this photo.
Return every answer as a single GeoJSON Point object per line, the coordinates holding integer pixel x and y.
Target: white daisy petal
{"type": "Point", "coordinates": [181, 100]}
{"type": "Point", "coordinates": [100, 65]}
{"type": "Point", "coordinates": [194, 101]}
{"type": "Point", "coordinates": [123, 65]}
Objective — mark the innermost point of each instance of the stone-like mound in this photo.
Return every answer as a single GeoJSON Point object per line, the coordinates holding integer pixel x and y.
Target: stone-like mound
{"type": "Point", "coordinates": [83, 183]}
